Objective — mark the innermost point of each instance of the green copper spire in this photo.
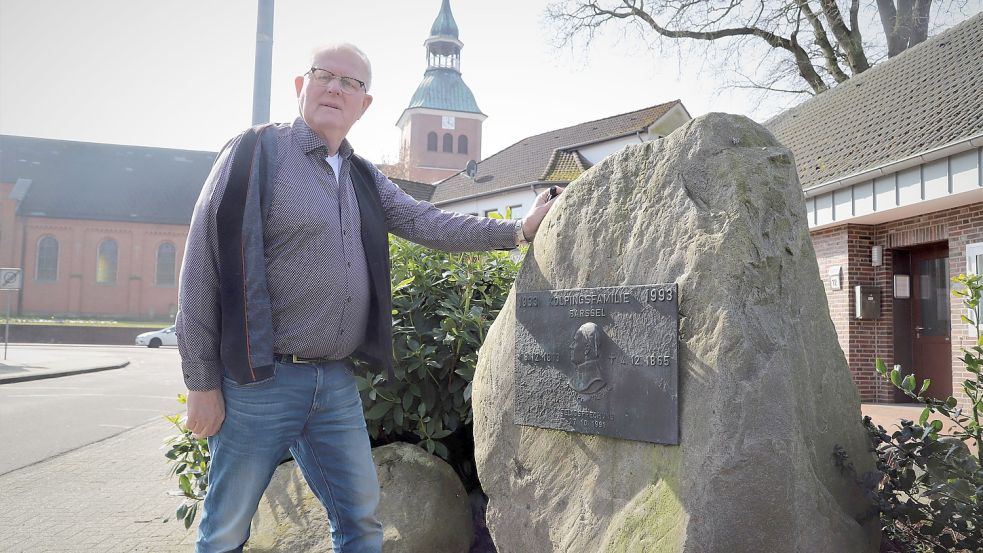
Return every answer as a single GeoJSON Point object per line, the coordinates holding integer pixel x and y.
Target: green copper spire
{"type": "Point", "coordinates": [442, 87]}
{"type": "Point", "coordinates": [444, 25]}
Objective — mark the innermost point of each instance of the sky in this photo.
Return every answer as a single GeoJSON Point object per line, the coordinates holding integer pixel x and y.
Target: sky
{"type": "Point", "coordinates": [179, 73]}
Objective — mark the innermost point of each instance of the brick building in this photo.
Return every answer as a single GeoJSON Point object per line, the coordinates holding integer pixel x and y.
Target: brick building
{"type": "Point", "coordinates": [890, 163]}
{"type": "Point", "coordinates": [98, 229]}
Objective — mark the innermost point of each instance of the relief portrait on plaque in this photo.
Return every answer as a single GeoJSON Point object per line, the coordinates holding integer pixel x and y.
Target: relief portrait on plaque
{"type": "Point", "coordinates": [584, 375]}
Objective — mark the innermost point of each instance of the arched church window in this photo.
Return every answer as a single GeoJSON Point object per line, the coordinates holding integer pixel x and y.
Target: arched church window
{"type": "Point", "coordinates": [462, 144]}
{"type": "Point", "coordinates": [165, 265]}
{"type": "Point", "coordinates": [107, 261]}
{"type": "Point", "coordinates": [47, 269]}
{"type": "Point", "coordinates": [448, 143]}
{"type": "Point", "coordinates": [432, 142]}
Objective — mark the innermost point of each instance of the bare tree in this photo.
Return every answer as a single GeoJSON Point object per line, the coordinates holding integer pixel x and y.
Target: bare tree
{"type": "Point", "coordinates": [818, 44]}
{"type": "Point", "coordinates": [905, 25]}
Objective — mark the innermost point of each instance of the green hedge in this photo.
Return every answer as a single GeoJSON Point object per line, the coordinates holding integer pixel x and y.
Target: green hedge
{"type": "Point", "coordinates": [443, 305]}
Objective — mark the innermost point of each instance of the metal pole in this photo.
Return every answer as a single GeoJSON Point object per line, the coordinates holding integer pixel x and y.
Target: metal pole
{"type": "Point", "coordinates": [6, 332]}
{"type": "Point", "coordinates": [262, 75]}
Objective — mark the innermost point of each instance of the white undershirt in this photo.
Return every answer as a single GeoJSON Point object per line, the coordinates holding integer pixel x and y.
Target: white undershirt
{"type": "Point", "coordinates": [335, 163]}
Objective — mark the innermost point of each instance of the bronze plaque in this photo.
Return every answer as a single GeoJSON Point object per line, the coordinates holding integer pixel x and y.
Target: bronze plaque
{"type": "Point", "coordinates": [600, 361]}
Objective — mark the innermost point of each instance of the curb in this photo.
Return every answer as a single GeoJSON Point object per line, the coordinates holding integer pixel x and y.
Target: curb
{"type": "Point", "coordinates": [56, 374]}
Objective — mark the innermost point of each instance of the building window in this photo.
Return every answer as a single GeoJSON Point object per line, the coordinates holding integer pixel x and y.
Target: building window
{"type": "Point", "coordinates": [432, 142]}
{"type": "Point", "coordinates": [165, 265]}
{"type": "Point", "coordinates": [515, 211]}
{"type": "Point", "coordinates": [47, 267]}
{"type": "Point", "coordinates": [492, 213]}
{"type": "Point", "coordinates": [106, 262]}
{"type": "Point", "coordinates": [448, 143]}
{"type": "Point", "coordinates": [462, 144]}
{"type": "Point", "coordinates": [974, 266]}
{"type": "Point", "coordinates": [974, 259]}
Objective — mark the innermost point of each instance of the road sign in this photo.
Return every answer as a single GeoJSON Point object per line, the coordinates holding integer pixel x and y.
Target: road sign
{"type": "Point", "coordinates": [10, 279]}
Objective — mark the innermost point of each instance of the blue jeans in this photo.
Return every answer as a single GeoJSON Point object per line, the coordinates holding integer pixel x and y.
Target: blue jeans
{"type": "Point", "coordinates": [313, 410]}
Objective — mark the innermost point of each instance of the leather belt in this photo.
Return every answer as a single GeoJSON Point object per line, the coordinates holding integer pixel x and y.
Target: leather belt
{"type": "Point", "coordinates": [284, 358]}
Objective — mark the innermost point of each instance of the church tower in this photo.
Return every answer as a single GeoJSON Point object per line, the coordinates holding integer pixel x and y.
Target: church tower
{"type": "Point", "coordinates": [441, 128]}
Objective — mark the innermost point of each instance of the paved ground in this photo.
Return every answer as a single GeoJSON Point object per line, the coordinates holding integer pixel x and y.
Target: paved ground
{"type": "Point", "coordinates": [51, 416]}
{"type": "Point", "coordinates": [888, 414]}
{"type": "Point", "coordinates": [107, 496]}
{"type": "Point", "coordinates": [112, 495]}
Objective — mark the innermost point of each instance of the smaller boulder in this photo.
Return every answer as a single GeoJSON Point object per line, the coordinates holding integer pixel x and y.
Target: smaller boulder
{"type": "Point", "coordinates": [423, 507]}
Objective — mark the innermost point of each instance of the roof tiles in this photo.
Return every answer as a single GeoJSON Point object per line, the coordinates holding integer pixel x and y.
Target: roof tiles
{"type": "Point", "coordinates": [531, 158]}
{"type": "Point", "coordinates": [923, 98]}
{"type": "Point", "coordinates": [108, 182]}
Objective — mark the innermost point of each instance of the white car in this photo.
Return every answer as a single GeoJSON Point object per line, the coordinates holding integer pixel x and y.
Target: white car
{"type": "Point", "coordinates": [157, 338]}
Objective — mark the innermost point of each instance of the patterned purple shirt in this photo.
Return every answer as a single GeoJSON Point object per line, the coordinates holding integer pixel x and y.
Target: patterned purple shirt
{"type": "Point", "coordinates": [317, 277]}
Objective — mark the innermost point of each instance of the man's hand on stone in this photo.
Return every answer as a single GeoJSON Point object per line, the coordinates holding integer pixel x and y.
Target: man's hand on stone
{"type": "Point", "coordinates": [206, 411]}
{"type": "Point", "coordinates": [544, 202]}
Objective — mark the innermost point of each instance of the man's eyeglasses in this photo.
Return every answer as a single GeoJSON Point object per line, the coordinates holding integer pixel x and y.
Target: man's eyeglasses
{"type": "Point", "coordinates": [323, 77]}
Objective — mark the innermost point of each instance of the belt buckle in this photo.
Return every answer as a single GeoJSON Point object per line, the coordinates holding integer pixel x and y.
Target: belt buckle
{"type": "Point", "coordinates": [299, 360]}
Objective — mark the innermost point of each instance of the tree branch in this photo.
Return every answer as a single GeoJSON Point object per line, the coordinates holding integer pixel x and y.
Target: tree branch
{"type": "Point", "coordinates": [806, 70]}
{"type": "Point", "coordinates": [855, 16]}
{"type": "Point", "coordinates": [919, 23]}
{"type": "Point", "coordinates": [829, 55]}
{"type": "Point", "coordinates": [758, 86]}
{"type": "Point", "coordinates": [903, 25]}
{"type": "Point", "coordinates": [889, 21]}
{"type": "Point", "coordinates": [848, 39]}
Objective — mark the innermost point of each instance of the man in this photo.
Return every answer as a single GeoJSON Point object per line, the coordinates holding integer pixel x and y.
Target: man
{"type": "Point", "coordinates": [282, 282]}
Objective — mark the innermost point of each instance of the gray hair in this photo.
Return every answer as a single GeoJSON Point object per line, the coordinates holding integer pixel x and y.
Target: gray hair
{"type": "Point", "coordinates": [349, 47]}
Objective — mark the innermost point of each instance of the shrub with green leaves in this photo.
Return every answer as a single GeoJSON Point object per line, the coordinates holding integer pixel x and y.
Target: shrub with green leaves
{"type": "Point", "coordinates": [929, 488]}
{"type": "Point", "coordinates": [190, 457]}
{"type": "Point", "coordinates": [443, 305]}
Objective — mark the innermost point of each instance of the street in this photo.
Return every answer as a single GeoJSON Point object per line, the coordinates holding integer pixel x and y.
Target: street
{"type": "Point", "coordinates": [44, 418]}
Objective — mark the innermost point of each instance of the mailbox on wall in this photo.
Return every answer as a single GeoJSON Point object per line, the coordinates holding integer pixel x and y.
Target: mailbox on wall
{"type": "Point", "coordinates": [835, 277]}
{"type": "Point", "coordinates": [867, 302]}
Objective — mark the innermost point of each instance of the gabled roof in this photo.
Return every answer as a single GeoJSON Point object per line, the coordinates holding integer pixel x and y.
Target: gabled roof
{"type": "Point", "coordinates": [923, 98]}
{"type": "Point", "coordinates": [546, 156]}
{"type": "Point", "coordinates": [564, 166]}
{"type": "Point", "coordinates": [83, 180]}
{"type": "Point", "coordinates": [419, 190]}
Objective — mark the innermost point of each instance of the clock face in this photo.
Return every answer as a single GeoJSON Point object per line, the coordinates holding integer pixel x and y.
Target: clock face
{"type": "Point", "coordinates": [447, 122]}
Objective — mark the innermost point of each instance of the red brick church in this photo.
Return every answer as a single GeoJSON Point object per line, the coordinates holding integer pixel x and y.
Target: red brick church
{"type": "Point", "coordinates": [98, 229]}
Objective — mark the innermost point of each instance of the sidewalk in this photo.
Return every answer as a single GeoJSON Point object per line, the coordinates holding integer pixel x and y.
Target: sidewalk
{"type": "Point", "coordinates": [24, 364]}
{"type": "Point", "coordinates": [888, 414]}
{"type": "Point", "coordinates": [110, 496]}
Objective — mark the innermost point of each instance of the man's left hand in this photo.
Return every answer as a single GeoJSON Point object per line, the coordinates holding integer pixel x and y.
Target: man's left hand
{"type": "Point", "coordinates": [542, 205]}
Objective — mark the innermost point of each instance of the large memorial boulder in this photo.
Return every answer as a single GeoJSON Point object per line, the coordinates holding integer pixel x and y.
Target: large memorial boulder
{"type": "Point", "coordinates": [764, 392]}
{"type": "Point", "coordinates": [422, 506]}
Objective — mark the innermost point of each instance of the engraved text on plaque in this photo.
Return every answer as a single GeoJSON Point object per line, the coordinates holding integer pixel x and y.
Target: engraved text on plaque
{"type": "Point", "coordinates": [600, 361]}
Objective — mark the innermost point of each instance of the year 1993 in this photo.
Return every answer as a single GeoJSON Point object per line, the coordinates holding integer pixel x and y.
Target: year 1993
{"type": "Point", "coordinates": [660, 294]}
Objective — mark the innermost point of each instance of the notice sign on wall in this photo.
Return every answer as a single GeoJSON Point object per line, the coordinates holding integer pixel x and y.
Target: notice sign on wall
{"type": "Point", "coordinates": [600, 361]}
{"type": "Point", "coordinates": [10, 279]}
